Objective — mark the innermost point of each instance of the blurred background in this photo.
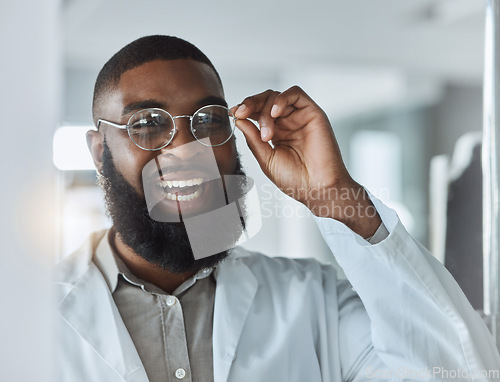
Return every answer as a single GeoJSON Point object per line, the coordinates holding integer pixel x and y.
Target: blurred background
{"type": "Point", "coordinates": [400, 81]}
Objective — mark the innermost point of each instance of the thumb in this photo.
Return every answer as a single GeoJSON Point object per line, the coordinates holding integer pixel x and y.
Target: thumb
{"type": "Point", "coordinates": [260, 149]}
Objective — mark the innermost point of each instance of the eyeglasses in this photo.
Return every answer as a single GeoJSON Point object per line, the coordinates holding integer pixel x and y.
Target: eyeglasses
{"type": "Point", "coordinates": [153, 129]}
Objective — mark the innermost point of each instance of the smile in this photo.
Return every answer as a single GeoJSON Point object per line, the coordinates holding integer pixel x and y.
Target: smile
{"type": "Point", "coordinates": [182, 190]}
{"type": "Point", "coordinates": [182, 183]}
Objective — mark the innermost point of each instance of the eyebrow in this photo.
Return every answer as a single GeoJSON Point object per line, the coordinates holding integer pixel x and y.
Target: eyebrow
{"type": "Point", "coordinates": [212, 100]}
{"type": "Point", "coordinates": [139, 105]}
{"type": "Point", "coordinates": [151, 103]}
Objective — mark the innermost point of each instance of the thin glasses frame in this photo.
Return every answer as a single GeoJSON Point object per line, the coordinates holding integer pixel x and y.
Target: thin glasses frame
{"type": "Point", "coordinates": [128, 125]}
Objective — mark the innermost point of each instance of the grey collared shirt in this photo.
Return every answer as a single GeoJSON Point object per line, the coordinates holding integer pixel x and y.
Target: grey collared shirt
{"type": "Point", "coordinates": [172, 333]}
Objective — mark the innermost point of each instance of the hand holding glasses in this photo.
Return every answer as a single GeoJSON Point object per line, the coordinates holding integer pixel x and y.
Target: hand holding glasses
{"type": "Point", "coordinates": [153, 129]}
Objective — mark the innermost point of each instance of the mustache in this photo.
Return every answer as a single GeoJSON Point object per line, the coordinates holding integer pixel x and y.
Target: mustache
{"type": "Point", "coordinates": [162, 166]}
{"type": "Point", "coordinates": [181, 167]}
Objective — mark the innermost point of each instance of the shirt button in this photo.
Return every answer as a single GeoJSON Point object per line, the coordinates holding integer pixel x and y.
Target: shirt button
{"type": "Point", "coordinates": [180, 373]}
{"type": "Point", "coordinates": [170, 302]}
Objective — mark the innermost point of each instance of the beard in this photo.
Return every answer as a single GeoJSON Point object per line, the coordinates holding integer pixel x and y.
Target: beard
{"type": "Point", "coordinates": [164, 245]}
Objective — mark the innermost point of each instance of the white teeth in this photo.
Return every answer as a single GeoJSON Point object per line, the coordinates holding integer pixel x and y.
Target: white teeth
{"type": "Point", "coordinates": [184, 198]}
{"type": "Point", "coordinates": [182, 183]}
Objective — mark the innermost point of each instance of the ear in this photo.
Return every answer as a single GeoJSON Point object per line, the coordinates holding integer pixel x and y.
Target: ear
{"type": "Point", "coordinates": [95, 141]}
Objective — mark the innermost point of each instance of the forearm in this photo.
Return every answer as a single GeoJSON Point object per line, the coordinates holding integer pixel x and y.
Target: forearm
{"type": "Point", "coordinates": [419, 317]}
{"type": "Point", "coordinates": [348, 203]}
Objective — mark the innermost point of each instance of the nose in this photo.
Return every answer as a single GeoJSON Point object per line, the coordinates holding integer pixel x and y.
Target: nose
{"type": "Point", "coordinates": [184, 145]}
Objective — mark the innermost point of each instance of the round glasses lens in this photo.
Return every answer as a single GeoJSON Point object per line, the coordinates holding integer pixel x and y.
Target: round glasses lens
{"type": "Point", "coordinates": [213, 122]}
{"type": "Point", "coordinates": [151, 129]}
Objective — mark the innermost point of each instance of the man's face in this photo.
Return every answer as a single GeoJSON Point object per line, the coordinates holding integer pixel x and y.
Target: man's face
{"type": "Point", "coordinates": [180, 87]}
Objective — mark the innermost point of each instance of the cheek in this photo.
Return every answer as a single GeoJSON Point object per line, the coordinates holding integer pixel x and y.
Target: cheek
{"type": "Point", "coordinates": [130, 160]}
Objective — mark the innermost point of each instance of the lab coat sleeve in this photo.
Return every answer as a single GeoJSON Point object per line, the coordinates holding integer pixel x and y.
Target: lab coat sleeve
{"type": "Point", "coordinates": [421, 326]}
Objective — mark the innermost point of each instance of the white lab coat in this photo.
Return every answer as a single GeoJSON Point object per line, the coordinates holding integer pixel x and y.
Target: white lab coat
{"type": "Point", "coordinates": [401, 316]}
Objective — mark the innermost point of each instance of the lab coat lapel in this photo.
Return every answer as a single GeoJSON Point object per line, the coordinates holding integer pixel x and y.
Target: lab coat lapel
{"type": "Point", "coordinates": [235, 292]}
{"type": "Point", "coordinates": [99, 323]}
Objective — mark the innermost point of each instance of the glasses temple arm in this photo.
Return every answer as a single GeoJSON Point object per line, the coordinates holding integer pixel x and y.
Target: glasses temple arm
{"type": "Point", "coordinates": [122, 127]}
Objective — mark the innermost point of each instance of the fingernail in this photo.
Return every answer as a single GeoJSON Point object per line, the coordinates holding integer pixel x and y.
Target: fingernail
{"type": "Point", "coordinates": [241, 109]}
{"type": "Point", "coordinates": [274, 110]}
{"type": "Point", "coordinates": [264, 132]}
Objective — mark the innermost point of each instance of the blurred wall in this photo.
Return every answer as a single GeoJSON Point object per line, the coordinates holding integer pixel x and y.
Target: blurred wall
{"type": "Point", "coordinates": [30, 73]}
{"type": "Point", "coordinates": [459, 111]}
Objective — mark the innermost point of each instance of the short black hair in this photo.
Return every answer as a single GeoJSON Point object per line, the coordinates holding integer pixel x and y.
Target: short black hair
{"type": "Point", "coordinates": [141, 51]}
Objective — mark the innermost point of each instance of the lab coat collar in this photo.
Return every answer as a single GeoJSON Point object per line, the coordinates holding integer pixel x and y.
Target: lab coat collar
{"type": "Point", "coordinates": [90, 310]}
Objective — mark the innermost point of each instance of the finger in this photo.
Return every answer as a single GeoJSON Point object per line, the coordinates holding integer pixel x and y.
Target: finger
{"type": "Point", "coordinates": [260, 149]}
{"type": "Point", "coordinates": [285, 113]}
{"type": "Point", "coordinates": [256, 115]}
{"type": "Point", "coordinates": [251, 106]}
{"type": "Point", "coordinates": [253, 116]}
{"type": "Point", "coordinates": [266, 122]}
{"type": "Point", "coordinates": [293, 97]}
{"type": "Point", "coordinates": [234, 108]}
{"type": "Point", "coordinates": [288, 110]}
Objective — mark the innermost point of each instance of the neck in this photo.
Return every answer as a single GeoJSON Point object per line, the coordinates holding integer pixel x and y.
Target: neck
{"type": "Point", "coordinates": [146, 271]}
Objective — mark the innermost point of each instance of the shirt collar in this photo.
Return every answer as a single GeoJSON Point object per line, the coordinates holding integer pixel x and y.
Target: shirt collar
{"type": "Point", "coordinates": [105, 260]}
{"type": "Point", "coordinates": [111, 266]}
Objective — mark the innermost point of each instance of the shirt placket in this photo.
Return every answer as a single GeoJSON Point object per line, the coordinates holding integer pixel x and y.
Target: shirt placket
{"type": "Point", "coordinates": [174, 336]}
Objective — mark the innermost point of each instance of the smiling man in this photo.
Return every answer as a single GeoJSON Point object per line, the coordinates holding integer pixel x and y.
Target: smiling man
{"type": "Point", "coordinates": [181, 86]}
{"type": "Point", "coordinates": [137, 304]}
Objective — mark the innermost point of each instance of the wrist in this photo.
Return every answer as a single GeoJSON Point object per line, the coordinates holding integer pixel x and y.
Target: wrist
{"type": "Point", "coordinates": [348, 203]}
